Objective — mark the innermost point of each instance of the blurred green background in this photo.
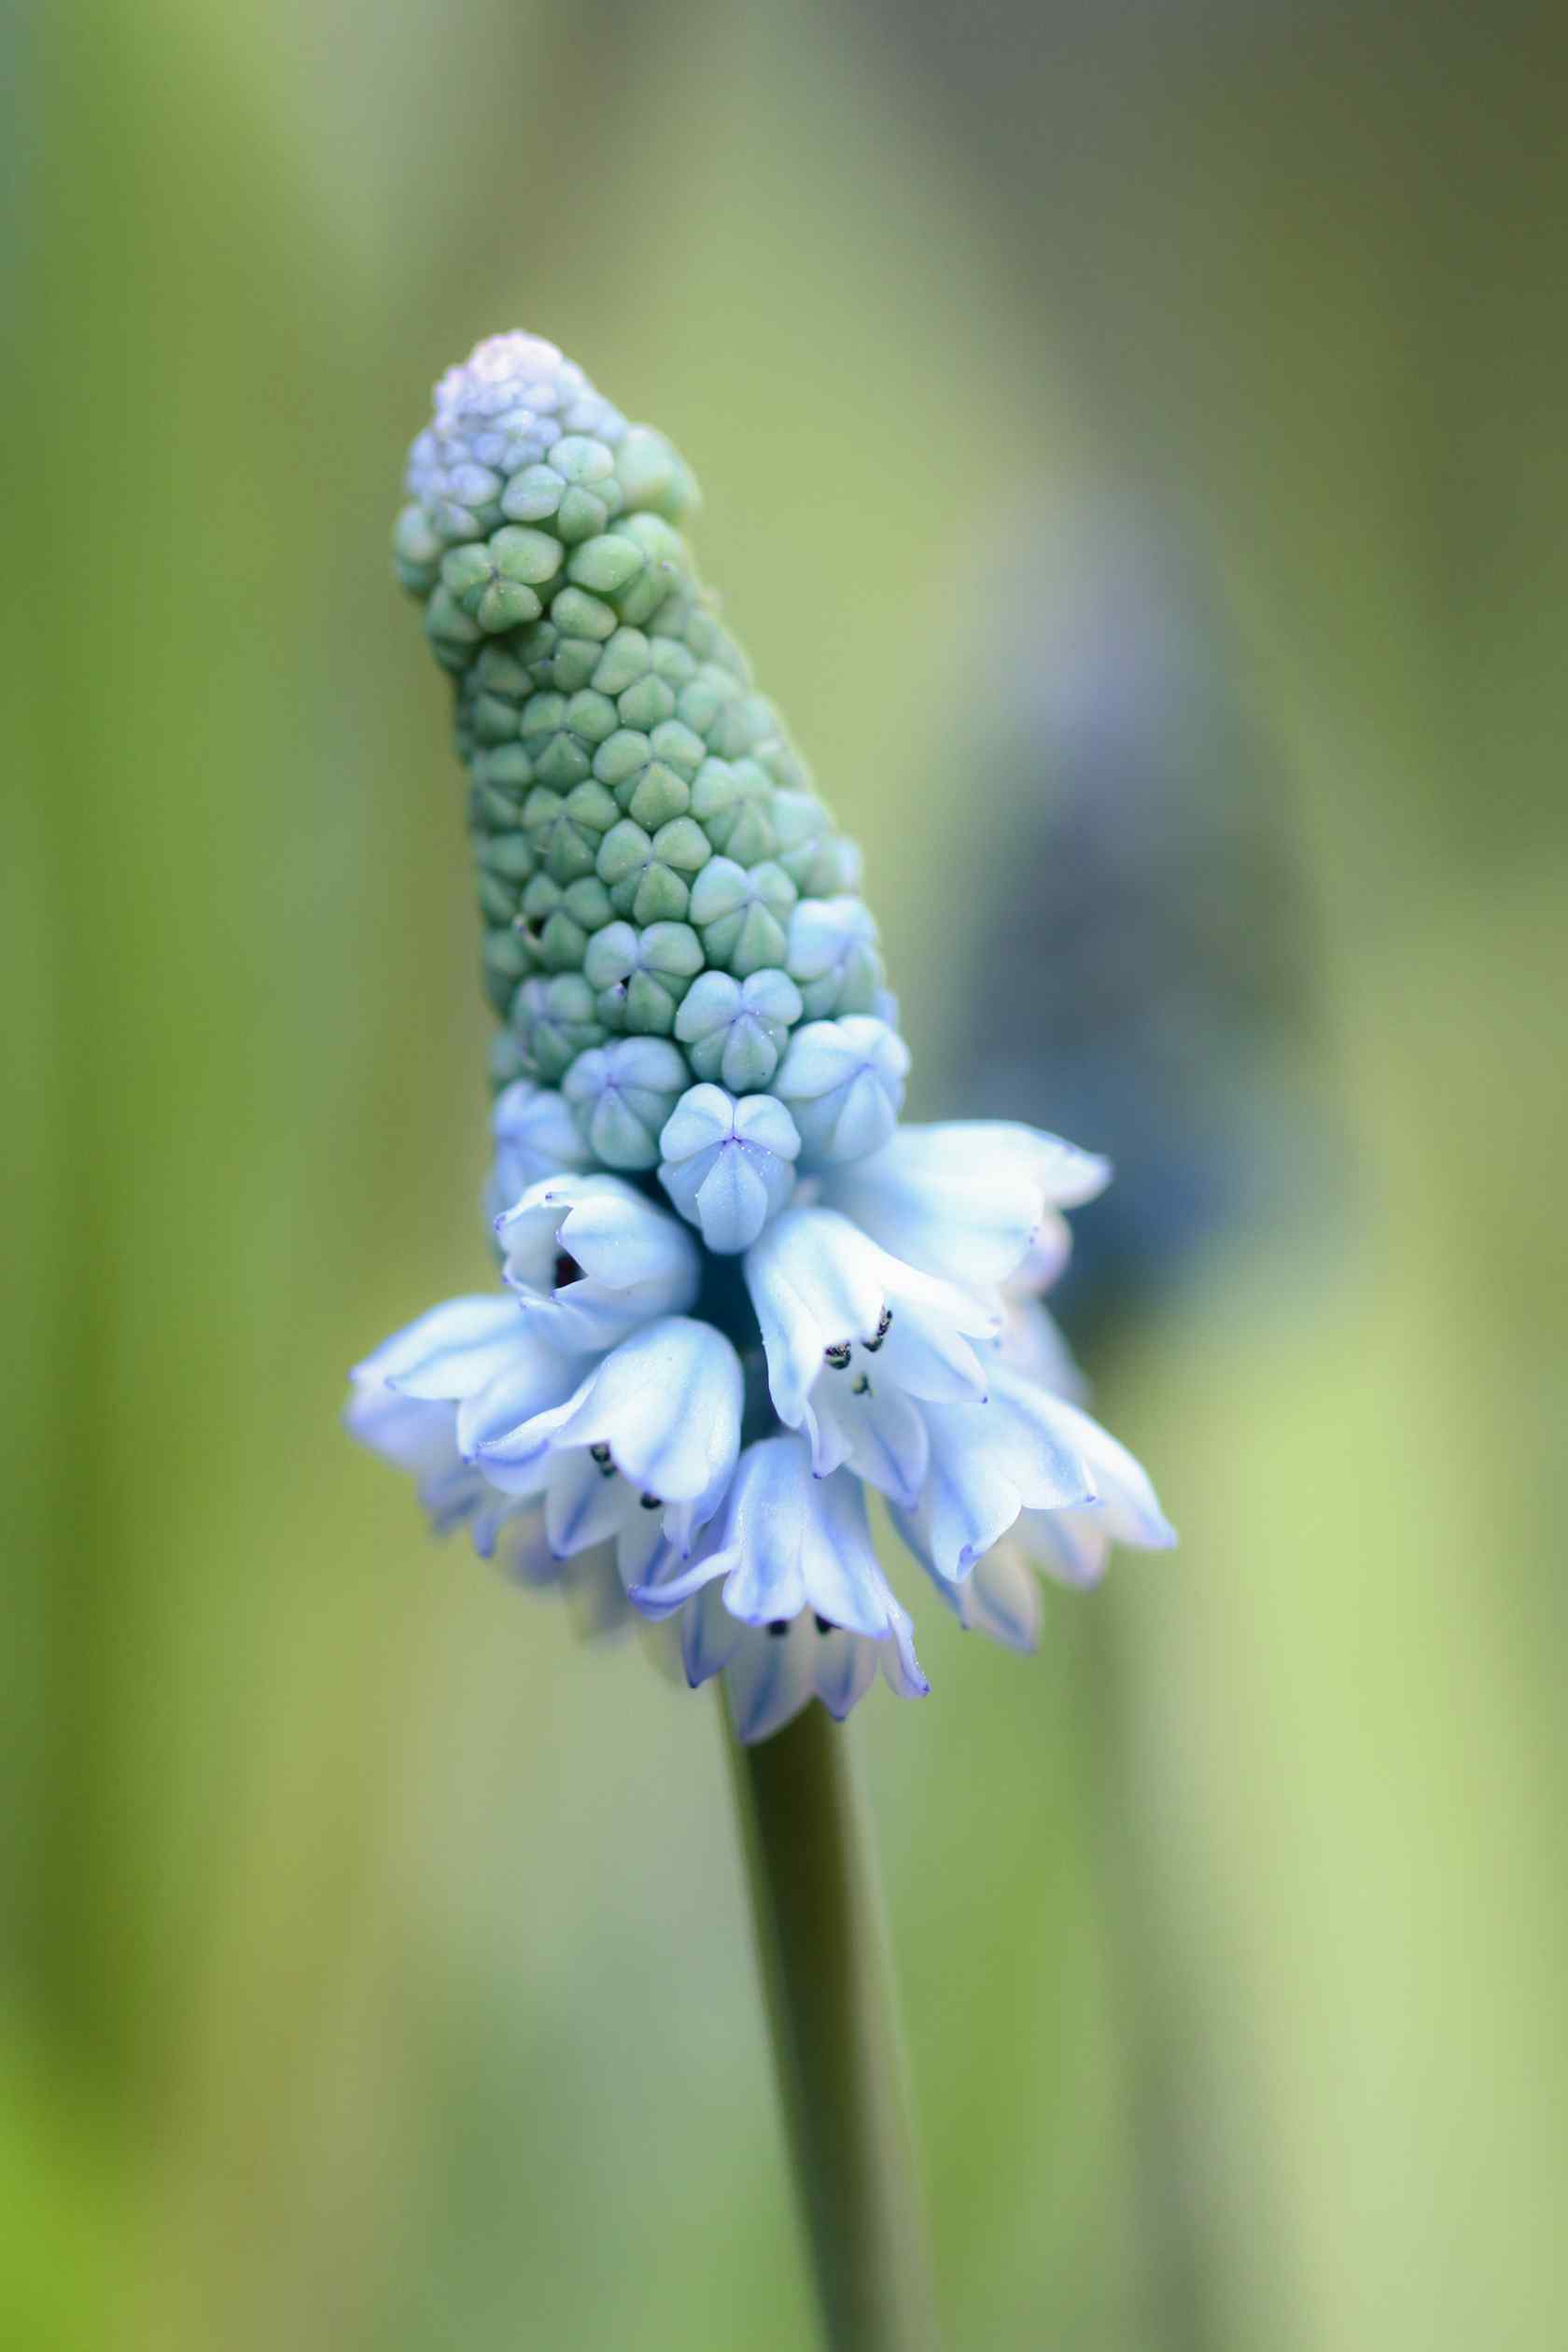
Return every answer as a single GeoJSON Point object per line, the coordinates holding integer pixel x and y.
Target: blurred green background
{"type": "Point", "coordinates": [374, 1966]}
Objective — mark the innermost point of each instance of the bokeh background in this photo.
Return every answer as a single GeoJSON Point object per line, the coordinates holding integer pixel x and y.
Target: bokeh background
{"type": "Point", "coordinates": [1133, 446]}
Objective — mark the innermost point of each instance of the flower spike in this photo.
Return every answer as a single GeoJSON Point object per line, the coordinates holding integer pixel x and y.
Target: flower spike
{"type": "Point", "coordinates": [737, 1293]}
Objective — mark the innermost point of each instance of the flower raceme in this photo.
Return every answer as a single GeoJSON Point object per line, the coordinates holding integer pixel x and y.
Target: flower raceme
{"type": "Point", "coordinates": [735, 1293]}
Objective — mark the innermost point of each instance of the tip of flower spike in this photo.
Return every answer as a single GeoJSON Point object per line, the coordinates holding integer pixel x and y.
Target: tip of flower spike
{"type": "Point", "coordinates": [518, 437]}
{"type": "Point", "coordinates": [508, 363]}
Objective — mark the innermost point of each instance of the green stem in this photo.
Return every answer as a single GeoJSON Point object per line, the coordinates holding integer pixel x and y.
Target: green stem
{"type": "Point", "coordinates": [823, 1949]}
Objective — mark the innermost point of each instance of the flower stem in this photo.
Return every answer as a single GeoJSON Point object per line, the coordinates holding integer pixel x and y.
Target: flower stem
{"type": "Point", "coordinates": [822, 1944]}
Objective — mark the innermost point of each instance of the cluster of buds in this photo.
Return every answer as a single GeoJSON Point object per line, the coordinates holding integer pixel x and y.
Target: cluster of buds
{"type": "Point", "coordinates": [673, 931]}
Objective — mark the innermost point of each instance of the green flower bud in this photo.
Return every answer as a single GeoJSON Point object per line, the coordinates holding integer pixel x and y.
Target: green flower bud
{"type": "Point", "coordinates": [621, 1096]}
{"type": "Point", "coordinates": [640, 978]}
{"type": "Point", "coordinates": [654, 871]}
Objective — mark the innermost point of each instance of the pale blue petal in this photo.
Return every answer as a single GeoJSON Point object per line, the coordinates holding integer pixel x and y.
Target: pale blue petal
{"type": "Point", "coordinates": [846, 1327]}
{"type": "Point", "coordinates": [1041, 1436]}
{"type": "Point", "coordinates": [645, 1554]}
{"type": "Point", "coordinates": [708, 1637]}
{"type": "Point", "coordinates": [667, 1404]}
{"type": "Point", "coordinates": [451, 1351]}
{"type": "Point", "coordinates": [967, 1199]}
{"type": "Point", "coordinates": [414, 1433]}
{"type": "Point", "coordinates": [986, 1460]}
{"type": "Point", "coordinates": [733, 1203]}
{"type": "Point", "coordinates": [582, 1505]}
{"type": "Point", "coordinates": [766, 1533]}
{"type": "Point", "coordinates": [793, 1541]}
{"type": "Point", "coordinates": [845, 1667]}
{"type": "Point", "coordinates": [622, 1240]}
{"type": "Point", "coordinates": [1001, 1599]}
{"type": "Point", "coordinates": [880, 1433]}
{"type": "Point", "coordinates": [925, 1354]}
{"type": "Point", "coordinates": [663, 1598]}
{"type": "Point", "coordinates": [493, 1516]}
{"type": "Point", "coordinates": [815, 1282]}
{"type": "Point", "coordinates": [767, 1681]}
{"type": "Point", "coordinates": [626, 1260]}
{"type": "Point", "coordinates": [534, 1378]}
{"type": "Point", "coordinates": [420, 1435]}
{"type": "Point", "coordinates": [527, 1445]}
{"type": "Point", "coordinates": [1073, 1546]}
{"type": "Point", "coordinates": [1131, 1509]}
{"type": "Point", "coordinates": [900, 1668]}
{"type": "Point", "coordinates": [1032, 1344]}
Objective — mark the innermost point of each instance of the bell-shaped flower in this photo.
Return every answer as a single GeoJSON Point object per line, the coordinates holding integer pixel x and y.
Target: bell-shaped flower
{"type": "Point", "coordinates": [734, 1031]}
{"type": "Point", "coordinates": [407, 1400]}
{"type": "Point", "coordinates": [794, 1554]}
{"type": "Point", "coordinates": [661, 1414]}
{"type": "Point", "coordinates": [455, 1350]}
{"type": "Point", "coordinates": [968, 1199]}
{"type": "Point", "coordinates": [843, 1084]}
{"type": "Point", "coordinates": [728, 1165]}
{"type": "Point", "coordinates": [771, 1671]}
{"type": "Point", "coordinates": [853, 1337]}
{"type": "Point", "coordinates": [622, 1094]}
{"type": "Point", "coordinates": [1072, 1546]}
{"type": "Point", "coordinates": [418, 1434]}
{"type": "Point", "coordinates": [1001, 1595]}
{"type": "Point", "coordinates": [536, 1136]}
{"type": "Point", "coordinates": [1021, 1450]}
{"type": "Point", "coordinates": [589, 1259]}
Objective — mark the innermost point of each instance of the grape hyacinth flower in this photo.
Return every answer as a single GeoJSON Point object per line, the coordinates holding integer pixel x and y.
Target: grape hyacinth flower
{"type": "Point", "coordinates": [737, 1301]}
{"type": "Point", "coordinates": [703, 1076]}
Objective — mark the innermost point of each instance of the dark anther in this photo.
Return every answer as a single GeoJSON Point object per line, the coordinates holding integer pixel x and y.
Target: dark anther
{"type": "Point", "coordinates": [778, 1626]}
{"type": "Point", "coordinates": [859, 1385]}
{"type": "Point", "coordinates": [566, 1269]}
{"type": "Point", "coordinates": [822, 1624]}
{"type": "Point", "coordinates": [837, 1355]}
{"type": "Point", "coordinates": [884, 1322]}
{"type": "Point", "coordinates": [649, 1502]}
{"type": "Point", "coordinates": [601, 1455]}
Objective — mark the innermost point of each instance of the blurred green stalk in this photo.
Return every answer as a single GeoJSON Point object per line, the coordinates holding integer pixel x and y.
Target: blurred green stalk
{"type": "Point", "coordinates": [827, 1977]}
